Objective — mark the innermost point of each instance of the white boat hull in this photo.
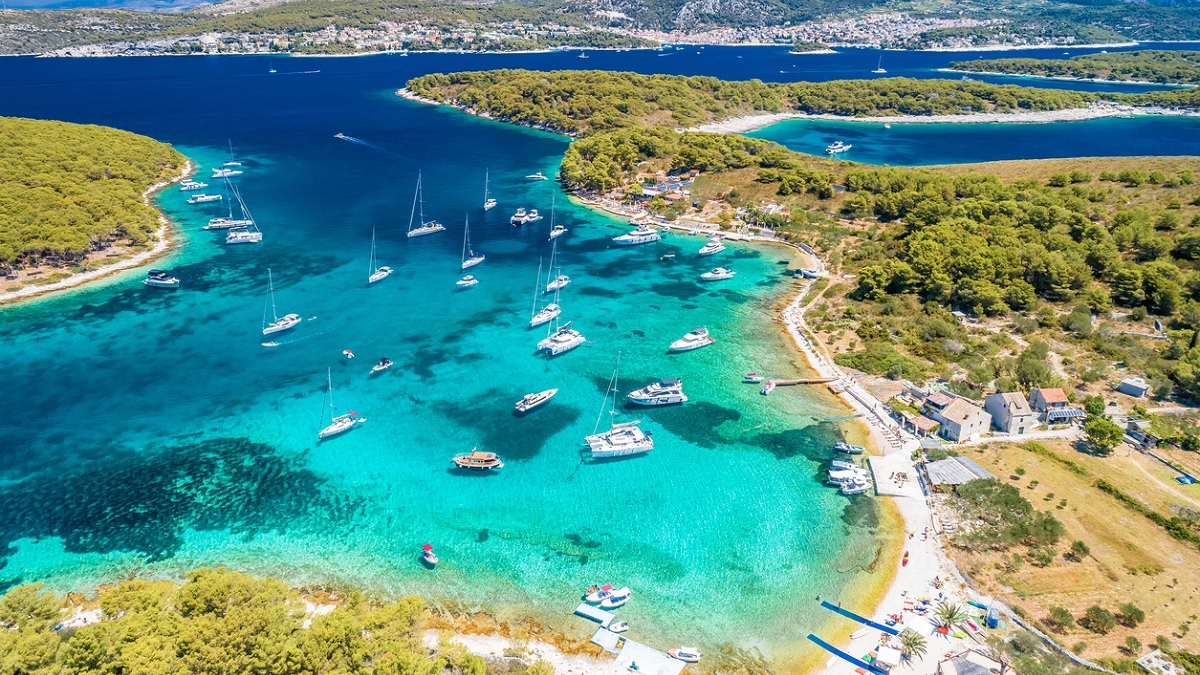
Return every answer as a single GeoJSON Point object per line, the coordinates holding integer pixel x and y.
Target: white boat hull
{"type": "Point", "coordinates": [426, 229]}
{"type": "Point", "coordinates": [243, 238]}
{"type": "Point", "coordinates": [162, 283]}
{"type": "Point", "coordinates": [561, 342]}
{"type": "Point", "coordinates": [471, 262]}
{"type": "Point", "coordinates": [656, 400]}
{"type": "Point", "coordinates": [283, 323]}
{"type": "Point", "coordinates": [380, 274]}
{"type": "Point", "coordinates": [682, 346]}
{"type": "Point", "coordinates": [340, 425]}
{"type": "Point", "coordinates": [546, 315]}
{"type": "Point", "coordinates": [534, 401]}
{"type": "Point", "coordinates": [621, 440]}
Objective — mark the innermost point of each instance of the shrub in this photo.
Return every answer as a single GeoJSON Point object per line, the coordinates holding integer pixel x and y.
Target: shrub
{"type": "Point", "coordinates": [1060, 618]}
{"type": "Point", "coordinates": [1131, 615]}
{"type": "Point", "coordinates": [1099, 620]}
{"type": "Point", "coordinates": [1080, 550]}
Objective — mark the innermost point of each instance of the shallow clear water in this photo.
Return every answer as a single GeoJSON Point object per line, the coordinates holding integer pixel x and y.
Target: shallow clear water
{"type": "Point", "coordinates": [149, 431]}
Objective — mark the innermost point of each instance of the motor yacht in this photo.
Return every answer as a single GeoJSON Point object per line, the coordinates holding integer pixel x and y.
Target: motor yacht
{"type": "Point", "coordinates": [204, 199]}
{"type": "Point", "coordinates": [531, 401]}
{"type": "Point", "coordinates": [533, 216]}
{"type": "Point", "coordinates": [189, 185]}
{"type": "Point", "coordinates": [160, 279]}
{"type": "Point", "coordinates": [837, 148]}
{"type": "Point", "coordinates": [718, 274]}
{"type": "Point", "coordinates": [713, 247]}
{"type": "Point", "coordinates": [466, 282]}
{"type": "Point", "coordinates": [537, 176]}
{"type": "Point", "coordinates": [557, 231]}
{"type": "Point", "coordinates": [663, 392]}
{"type": "Point", "coordinates": [696, 339]}
{"type": "Point", "coordinates": [644, 234]}
{"type": "Point", "coordinates": [478, 461]}
{"type": "Point", "coordinates": [855, 488]}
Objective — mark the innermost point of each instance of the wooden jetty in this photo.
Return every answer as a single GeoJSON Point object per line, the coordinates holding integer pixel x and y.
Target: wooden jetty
{"type": "Point", "coordinates": [805, 380]}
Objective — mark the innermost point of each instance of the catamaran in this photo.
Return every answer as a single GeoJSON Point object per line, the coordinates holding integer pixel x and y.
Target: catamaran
{"type": "Point", "coordinates": [488, 202]}
{"type": "Point", "coordinates": [375, 273]}
{"type": "Point", "coordinates": [622, 439]}
{"type": "Point", "coordinates": [469, 257]}
{"type": "Point", "coordinates": [278, 323]}
{"type": "Point", "coordinates": [425, 227]}
{"type": "Point", "coordinates": [203, 199]}
{"type": "Point", "coordinates": [547, 313]}
{"type": "Point", "coordinates": [338, 424]}
{"type": "Point", "coordinates": [562, 339]}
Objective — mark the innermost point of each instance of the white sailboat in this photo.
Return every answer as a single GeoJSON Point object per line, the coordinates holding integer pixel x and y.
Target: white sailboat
{"type": "Point", "coordinates": [556, 231]}
{"type": "Point", "coordinates": [560, 281]}
{"type": "Point", "coordinates": [550, 311]}
{"type": "Point", "coordinates": [277, 323]}
{"type": "Point", "coordinates": [376, 273]}
{"type": "Point", "coordinates": [340, 423]}
{"type": "Point", "coordinates": [228, 223]}
{"type": "Point", "coordinates": [879, 67]}
{"type": "Point", "coordinates": [469, 257]}
{"type": "Point", "coordinates": [424, 227]}
{"type": "Point", "coordinates": [488, 202]}
{"type": "Point", "coordinates": [622, 438]}
{"type": "Point", "coordinates": [232, 158]}
{"type": "Point", "coordinates": [247, 234]}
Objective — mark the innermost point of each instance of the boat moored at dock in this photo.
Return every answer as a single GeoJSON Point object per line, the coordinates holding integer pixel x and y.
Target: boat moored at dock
{"type": "Point", "coordinates": [685, 654]}
{"type": "Point", "coordinates": [843, 446]}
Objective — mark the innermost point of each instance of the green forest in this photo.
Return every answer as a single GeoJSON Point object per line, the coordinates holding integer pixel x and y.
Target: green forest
{"type": "Point", "coordinates": [1150, 65]}
{"type": "Point", "coordinates": [67, 189]}
{"type": "Point", "coordinates": [224, 622]}
{"type": "Point", "coordinates": [579, 103]}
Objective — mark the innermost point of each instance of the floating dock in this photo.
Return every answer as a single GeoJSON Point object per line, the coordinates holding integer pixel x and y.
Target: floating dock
{"type": "Point", "coordinates": [632, 656]}
{"type": "Point", "coordinates": [844, 656]}
{"type": "Point", "coordinates": [861, 619]}
{"type": "Point", "coordinates": [805, 380]}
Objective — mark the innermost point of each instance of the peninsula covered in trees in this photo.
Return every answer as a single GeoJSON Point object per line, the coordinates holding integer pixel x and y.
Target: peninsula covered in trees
{"type": "Point", "coordinates": [71, 189]}
{"type": "Point", "coordinates": [1151, 65]}
{"type": "Point", "coordinates": [579, 103]}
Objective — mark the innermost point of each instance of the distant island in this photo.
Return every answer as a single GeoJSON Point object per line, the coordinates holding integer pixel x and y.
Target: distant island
{"type": "Point", "coordinates": [1149, 65]}
{"type": "Point", "coordinates": [809, 47]}
{"type": "Point", "coordinates": [76, 200]}
{"type": "Point", "coordinates": [343, 27]}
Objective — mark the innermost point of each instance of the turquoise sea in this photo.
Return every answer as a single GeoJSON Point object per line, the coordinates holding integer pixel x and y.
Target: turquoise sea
{"type": "Point", "coordinates": [149, 432]}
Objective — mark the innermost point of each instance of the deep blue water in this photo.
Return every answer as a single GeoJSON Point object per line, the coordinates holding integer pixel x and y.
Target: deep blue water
{"type": "Point", "coordinates": [150, 431]}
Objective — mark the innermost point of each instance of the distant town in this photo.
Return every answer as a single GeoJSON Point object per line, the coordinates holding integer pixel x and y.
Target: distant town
{"type": "Point", "coordinates": [890, 30]}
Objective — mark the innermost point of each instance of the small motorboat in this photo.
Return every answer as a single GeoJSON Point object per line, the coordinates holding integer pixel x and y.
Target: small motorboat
{"type": "Point", "coordinates": [752, 378]}
{"type": "Point", "coordinates": [536, 176]}
{"type": "Point", "coordinates": [383, 365]}
{"type": "Point", "coordinates": [843, 446]}
{"type": "Point", "coordinates": [466, 282]}
{"type": "Point", "coordinates": [478, 461]}
{"type": "Point", "coordinates": [347, 353]}
{"type": "Point", "coordinates": [557, 231]}
{"type": "Point", "coordinates": [160, 279]}
{"type": "Point", "coordinates": [595, 594]}
{"type": "Point", "coordinates": [531, 401]}
{"type": "Point", "coordinates": [768, 387]}
{"type": "Point", "coordinates": [428, 556]}
{"type": "Point", "coordinates": [617, 598]}
{"type": "Point", "coordinates": [686, 654]}
{"type": "Point", "coordinates": [618, 627]}
{"type": "Point", "coordinates": [718, 274]}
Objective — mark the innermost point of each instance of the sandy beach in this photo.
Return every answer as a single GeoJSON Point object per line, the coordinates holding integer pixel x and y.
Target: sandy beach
{"type": "Point", "coordinates": [163, 242]}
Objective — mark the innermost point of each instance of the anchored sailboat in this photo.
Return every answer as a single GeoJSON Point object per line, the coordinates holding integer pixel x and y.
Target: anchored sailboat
{"type": "Point", "coordinates": [547, 313]}
{"type": "Point", "coordinates": [621, 439]}
{"type": "Point", "coordinates": [376, 273]}
{"type": "Point", "coordinates": [562, 339]}
{"type": "Point", "coordinates": [340, 423]}
{"type": "Point", "coordinates": [552, 285]}
{"type": "Point", "coordinates": [424, 227]}
{"type": "Point", "coordinates": [879, 67]}
{"type": "Point", "coordinates": [243, 234]}
{"type": "Point", "coordinates": [277, 323]}
{"type": "Point", "coordinates": [469, 257]}
{"type": "Point", "coordinates": [488, 202]}
{"type": "Point", "coordinates": [228, 223]}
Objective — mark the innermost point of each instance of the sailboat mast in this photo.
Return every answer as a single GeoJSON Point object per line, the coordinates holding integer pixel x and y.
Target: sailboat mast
{"type": "Point", "coordinates": [416, 196]}
{"type": "Point", "coordinates": [421, 200]}
{"type": "Point", "coordinates": [537, 282]}
{"type": "Point", "coordinates": [371, 265]}
{"type": "Point", "coordinates": [553, 252]}
{"type": "Point", "coordinates": [271, 290]}
{"type": "Point", "coordinates": [611, 388]}
{"type": "Point", "coordinates": [466, 236]}
{"type": "Point", "coordinates": [485, 187]}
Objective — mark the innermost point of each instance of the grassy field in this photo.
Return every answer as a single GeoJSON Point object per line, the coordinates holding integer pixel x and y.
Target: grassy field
{"type": "Point", "coordinates": [1131, 559]}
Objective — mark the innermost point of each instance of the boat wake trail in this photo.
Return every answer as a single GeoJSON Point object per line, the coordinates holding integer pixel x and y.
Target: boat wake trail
{"type": "Point", "coordinates": [369, 144]}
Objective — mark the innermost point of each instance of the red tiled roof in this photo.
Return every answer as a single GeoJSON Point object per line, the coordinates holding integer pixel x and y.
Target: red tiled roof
{"type": "Point", "coordinates": [1053, 395]}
